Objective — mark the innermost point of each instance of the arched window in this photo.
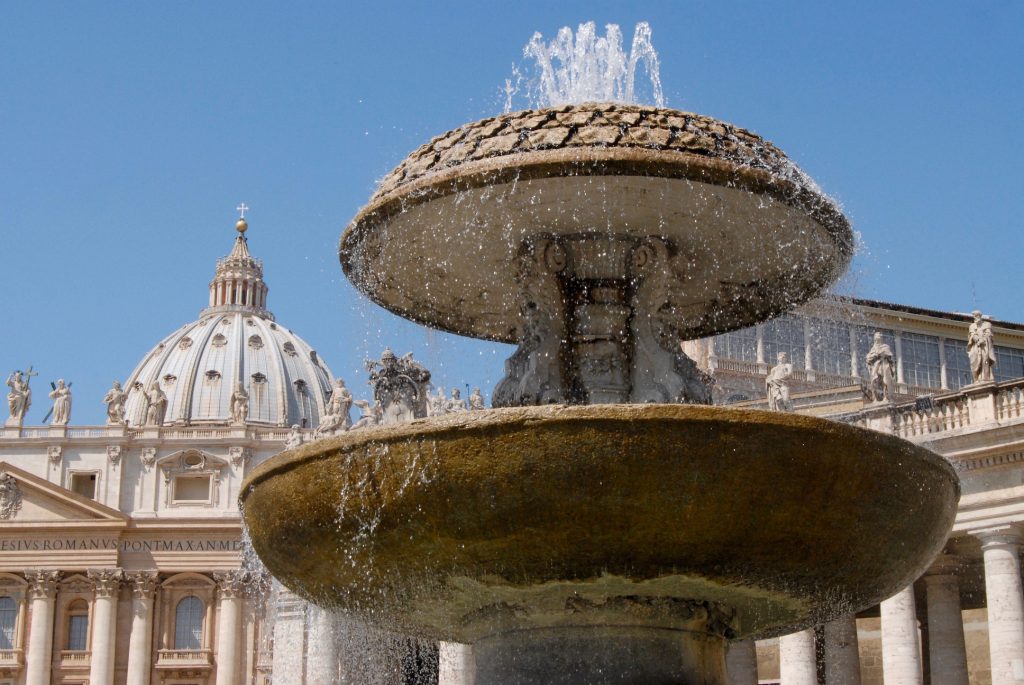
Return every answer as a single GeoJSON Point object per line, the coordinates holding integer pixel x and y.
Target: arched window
{"type": "Point", "coordinates": [8, 617]}
{"type": "Point", "coordinates": [78, 626]}
{"type": "Point", "coordinates": [188, 624]}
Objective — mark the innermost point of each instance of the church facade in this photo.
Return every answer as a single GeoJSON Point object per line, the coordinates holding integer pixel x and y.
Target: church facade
{"type": "Point", "coordinates": [121, 547]}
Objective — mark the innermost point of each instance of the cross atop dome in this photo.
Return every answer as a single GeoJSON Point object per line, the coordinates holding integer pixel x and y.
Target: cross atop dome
{"type": "Point", "coordinates": [241, 226]}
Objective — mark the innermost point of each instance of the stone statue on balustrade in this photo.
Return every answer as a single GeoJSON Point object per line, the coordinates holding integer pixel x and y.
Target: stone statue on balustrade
{"type": "Point", "coordinates": [61, 396]}
{"type": "Point", "coordinates": [294, 438]}
{"type": "Point", "coordinates": [337, 419]}
{"type": "Point", "coordinates": [115, 399]}
{"type": "Point", "coordinates": [370, 416]}
{"type": "Point", "coordinates": [777, 384]}
{"type": "Point", "coordinates": [239, 404]}
{"type": "Point", "coordinates": [981, 349]}
{"type": "Point", "coordinates": [19, 399]}
{"type": "Point", "coordinates": [400, 387]}
{"type": "Point", "coordinates": [455, 404]}
{"type": "Point", "coordinates": [156, 405]}
{"type": "Point", "coordinates": [476, 400]}
{"type": "Point", "coordinates": [437, 405]}
{"type": "Point", "coordinates": [881, 370]}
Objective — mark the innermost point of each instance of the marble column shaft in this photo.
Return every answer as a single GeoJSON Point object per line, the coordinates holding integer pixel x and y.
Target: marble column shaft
{"type": "Point", "coordinates": [842, 654]}
{"type": "Point", "coordinates": [322, 657]}
{"type": "Point", "coordinates": [140, 642]}
{"type": "Point", "coordinates": [1005, 602]}
{"type": "Point", "coordinates": [741, 662]}
{"type": "Point", "coordinates": [231, 587]}
{"type": "Point", "coordinates": [797, 660]}
{"type": "Point", "coordinates": [901, 651]}
{"type": "Point", "coordinates": [107, 584]}
{"type": "Point", "coordinates": [455, 664]}
{"type": "Point", "coordinates": [947, 653]}
{"type": "Point", "coordinates": [42, 590]}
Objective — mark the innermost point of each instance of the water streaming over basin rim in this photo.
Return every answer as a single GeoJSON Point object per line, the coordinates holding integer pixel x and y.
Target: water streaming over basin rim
{"type": "Point", "coordinates": [460, 526]}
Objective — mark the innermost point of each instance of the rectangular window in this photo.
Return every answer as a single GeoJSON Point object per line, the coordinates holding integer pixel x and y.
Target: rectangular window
{"type": "Point", "coordinates": [78, 633]}
{"type": "Point", "coordinates": [84, 484]}
{"type": "Point", "coordinates": [740, 345]}
{"type": "Point", "coordinates": [1009, 363]}
{"type": "Point", "coordinates": [784, 334]}
{"type": "Point", "coordinates": [192, 489]}
{"type": "Point", "coordinates": [921, 365]}
{"type": "Point", "coordinates": [830, 347]}
{"type": "Point", "coordinates": [958, 366]}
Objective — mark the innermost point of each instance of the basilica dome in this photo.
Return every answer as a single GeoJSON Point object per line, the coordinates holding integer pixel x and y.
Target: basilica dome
{"type": "Point", "coordinates": [236, 339]}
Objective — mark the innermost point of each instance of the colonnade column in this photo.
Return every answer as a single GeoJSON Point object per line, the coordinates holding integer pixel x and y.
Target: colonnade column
{"type": "Point", "coordinates": [140, 642]}
{"type": "Point", "coordinates": [455, 664]}
{"type": "Point", "coordinates": [797, 661]}
{"type": "Point", "coordinates": [947, 653]}
{"type": "Point", "coordinates": [42, 589]}
{"type": "Point", "coordinates": [107, 584]}
{"type": "Point", "coordinates": [741, 662]}
{"type": "Point", "coordinates": [1000, 549]}
{"type": "Point", "coordinates": [231, 589]}
{"type": "Point", "coordinates": [842, 654]}
{"type": "Point", "coordinates": [322, 654]}
{"type": "Point", "coordinates": [901, 651]}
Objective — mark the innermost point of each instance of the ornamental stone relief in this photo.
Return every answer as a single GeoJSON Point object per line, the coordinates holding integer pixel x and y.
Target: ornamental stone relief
{"type": "Point", "coordinates": [54, 453]}
{"type": "Point", "coordinates": [10, 496]}
{"type": "Point", "coordinates": [114, 454]}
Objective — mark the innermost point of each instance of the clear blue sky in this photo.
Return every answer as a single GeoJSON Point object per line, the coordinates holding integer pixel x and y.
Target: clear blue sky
{"type": "Point", "coordinates": [129, 131]}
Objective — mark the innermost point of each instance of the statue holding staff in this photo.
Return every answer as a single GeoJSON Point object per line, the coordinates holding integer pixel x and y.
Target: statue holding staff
{"type": "Point", "coordinates": [980, 349]}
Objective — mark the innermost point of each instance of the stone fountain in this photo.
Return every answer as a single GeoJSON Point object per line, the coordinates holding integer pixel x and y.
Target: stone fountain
{"type": "Point", "coordinates": [601, 524]}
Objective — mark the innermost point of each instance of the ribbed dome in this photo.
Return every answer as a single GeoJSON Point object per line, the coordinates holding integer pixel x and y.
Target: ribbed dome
{"type": "Point", "coordinates": [235, 339]}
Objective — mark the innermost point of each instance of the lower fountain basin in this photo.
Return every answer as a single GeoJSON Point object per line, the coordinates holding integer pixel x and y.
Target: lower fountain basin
{"type": "Point", "coordinates": [725, 522]}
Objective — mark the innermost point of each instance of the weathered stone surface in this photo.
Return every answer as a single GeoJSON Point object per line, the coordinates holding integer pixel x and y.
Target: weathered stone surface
{"type": "Point", "coordinates": [761, 236]}
{"type": "Point", "coordinates": [704, 131]}
{"type": "Point", "coordinates": [479, 523]}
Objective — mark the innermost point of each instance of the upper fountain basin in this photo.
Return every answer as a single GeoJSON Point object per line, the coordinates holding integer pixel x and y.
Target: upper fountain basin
{"type": "Point", "coordinates": [459, 527]}
{"type": "Point", "coordinates": [751, 235]}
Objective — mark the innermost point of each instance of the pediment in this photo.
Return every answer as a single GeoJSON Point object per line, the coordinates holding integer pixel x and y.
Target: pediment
{"type": "Point", "coordinates": [29, 500]}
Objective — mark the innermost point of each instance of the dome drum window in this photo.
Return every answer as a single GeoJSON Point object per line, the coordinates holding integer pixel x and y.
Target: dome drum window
{"type": "Point", "coordinates": [185, 343]}
{"type": "Point", "coordinates": [212, 376]}
{"type": "Point", "coordinates": [289, 349]}
{"type": "Point", "coordinates": [219, 340]}
{"type": "Point", "coordinates": [255, 342]}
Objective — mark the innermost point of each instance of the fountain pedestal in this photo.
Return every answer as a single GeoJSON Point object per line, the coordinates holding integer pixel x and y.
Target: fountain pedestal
{"type": "Point", "coordinates": [612, 655]}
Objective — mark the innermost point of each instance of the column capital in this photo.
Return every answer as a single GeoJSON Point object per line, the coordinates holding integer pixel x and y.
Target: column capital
{"type": "Point", "coordinates": [232, 584]}
{"type": "Point", "coordinates": [142, 583]}
{"type": "Point", "coordinates": [42, 583]}
{"type": "Point", "coordinates": [106, 581]}
{"type": "Point", "coordinates": [999, 536]}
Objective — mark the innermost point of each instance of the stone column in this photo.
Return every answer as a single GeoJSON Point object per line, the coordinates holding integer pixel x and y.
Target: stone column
{"type": "Point", "coordinates": [456, 665]}
{"type": "Point", "coordinates": [901, 651]}
{"type": "Point", "coordinates": [842, 656]}
{"type": "Point", "coordinates": [741, 662]}
{"type": "Point", "coordinates": [231, 588]}
{"type": "Point", "coordinates": [322, 653]}
{"type": "Point", "coordinates": [107, 583]}
{"type": "Point", "coordinates": [140, 642]}
{"type": "Point", "coordinates": [289, 626]}
{"type": "Point", "coordinates": [1001, 550]}
{"type": "Point", "coordinates": [42, 591]}
{"type": "Point", "coordinates": [947, 654]}
{"type": "Point", "coordinates": [797, 664]}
